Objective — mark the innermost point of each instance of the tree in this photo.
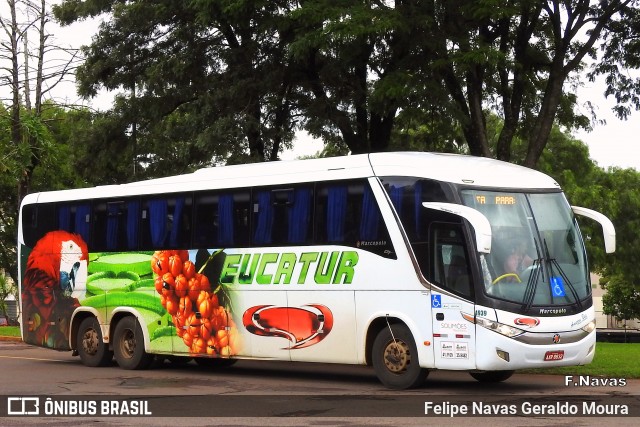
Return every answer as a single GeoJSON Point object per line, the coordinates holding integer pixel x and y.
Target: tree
{"type": "Point", "coordinates": [30, 83]}
{"type": "Point", "coordinates": [621, 300]}
{"type": "Point", "coordinates": [25, 138]}
{"type": "Point", "coordinates": [374, 65]}
{"type": "Point", "coordinates": [407, 73]}
{"type": "Point", "coordinates": [201, 81]}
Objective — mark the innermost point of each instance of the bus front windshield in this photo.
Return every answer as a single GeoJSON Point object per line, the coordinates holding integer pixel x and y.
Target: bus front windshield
{"type": "Point", "coordinates": [537, 256]}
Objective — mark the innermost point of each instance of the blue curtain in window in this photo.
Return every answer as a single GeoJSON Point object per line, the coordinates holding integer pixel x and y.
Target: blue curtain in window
{"type": "Point", "coordinates": [370, 217]}
{"type": "Point", "coordinates": [417, 195]}
{"type": "Point", "coordinates": [158, 221]}
{"type": "Point", "coordinates": [336, 213]}
{"type": "Point", "coordinates": [177, 217]}
{"type": "Point", "coordinates": [265, 219]}
{"type": "Point", "coordinates": [299, 215]}
{"type": "Point", "coordinates": [225, 220]}
{"type": "Point", "coordinates": [82, 225]}
{"type": "Point", "coordinates": [112, 226]}
{"type": "Point", "coordinates": [64, 218]}
{"type": "Point", "coordinates": [133, 213]}
{"type": "Point", "coordinates": [395, 193]}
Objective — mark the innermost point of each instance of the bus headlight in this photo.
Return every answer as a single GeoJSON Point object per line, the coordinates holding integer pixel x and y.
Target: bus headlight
{"type": "Point", "coordinates": [589, 327]}
{"type": "Point", "coordinates": [492, 325]}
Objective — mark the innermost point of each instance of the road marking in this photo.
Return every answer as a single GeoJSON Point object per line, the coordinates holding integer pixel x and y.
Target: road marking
{"type": "Point", "coordinates": [34, 358]}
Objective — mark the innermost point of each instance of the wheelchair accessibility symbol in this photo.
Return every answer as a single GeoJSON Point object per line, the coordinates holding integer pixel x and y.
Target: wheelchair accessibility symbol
{"type": "Point", "coordinates": [436, 301]}
{"type": "Point", "coordinates": [557, 287]}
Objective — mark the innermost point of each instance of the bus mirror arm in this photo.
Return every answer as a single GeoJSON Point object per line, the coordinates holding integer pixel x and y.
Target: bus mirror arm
{"type": "Point", "coordinates": [478, 221]}
{"type": "Point", "coordinates": [608, 229]}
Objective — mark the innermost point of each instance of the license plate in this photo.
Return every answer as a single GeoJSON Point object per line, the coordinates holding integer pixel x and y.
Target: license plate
{"type": "Point", "coordinates": [553, 355]}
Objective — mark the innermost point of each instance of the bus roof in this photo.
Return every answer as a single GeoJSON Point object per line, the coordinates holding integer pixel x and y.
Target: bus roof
{"type": "Point", "coordinates": [461, 169]}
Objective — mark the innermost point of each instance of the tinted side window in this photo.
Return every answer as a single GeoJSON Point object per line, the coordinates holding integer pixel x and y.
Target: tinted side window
{"type": "Point", "coordinates": [75, 218]}
{"type": "Point", "coordinates": [38, 220]}
{"type": "Point", "coordinates": [450, 263]}
{"type": "Point", "coordinates": [221, 219]}
{"type": "Point", "coordinates": [116, 225]}
{"type": "Point", "coordinates": [166, 222]}
{"type": "Point", "coordinates": [282, 215]}
{"type": "Point", "coordinates": [347, 213]}
{"type": "Point", "coordinates": [407, 195]}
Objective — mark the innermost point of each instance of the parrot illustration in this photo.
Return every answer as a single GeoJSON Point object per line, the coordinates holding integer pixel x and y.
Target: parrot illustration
{"type": "Point", "coordinates": [53, 282]}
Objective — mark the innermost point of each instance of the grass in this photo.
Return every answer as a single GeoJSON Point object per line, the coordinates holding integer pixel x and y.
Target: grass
{"type": "Point", "coordinates": [613, 360]}
{"type": "Point", "coordinates": [9, 331]}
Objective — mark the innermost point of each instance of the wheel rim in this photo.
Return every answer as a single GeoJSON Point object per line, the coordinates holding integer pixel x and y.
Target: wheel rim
{"type": "Point", "coordinates": [397, 356]}
{"type": "Point", "coordinates": [90, 342]}
{"type": "Point", "coordinates": [128, 344]}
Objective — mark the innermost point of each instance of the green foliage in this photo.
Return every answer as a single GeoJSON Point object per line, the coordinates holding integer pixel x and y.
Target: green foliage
{"type": "Point", "coordinates": [50, 147]}
{"type": "Point", "coordinates": [232, 80]}
{"type": "Point", "coordinates": [622, 299]}
{"type": "Point", "coordinates": [201, 82]}
{"type": "Point", "coordinates": [5, 291]}
{"type": "Point", "coordinates": [612, 360]}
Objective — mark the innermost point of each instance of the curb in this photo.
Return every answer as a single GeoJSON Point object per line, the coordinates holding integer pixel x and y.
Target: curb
{"type": "Point", "coordinates": [14, 339]}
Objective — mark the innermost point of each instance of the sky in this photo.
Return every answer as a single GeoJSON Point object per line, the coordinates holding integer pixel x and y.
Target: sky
{"type": "Point", "coordinates": [616, 143]}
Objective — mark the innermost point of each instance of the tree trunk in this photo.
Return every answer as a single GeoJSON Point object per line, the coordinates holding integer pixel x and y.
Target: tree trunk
{"type": "Point", "coordinates": [16, 130]}
{"type": "Point", "coordinates": [544, 122]}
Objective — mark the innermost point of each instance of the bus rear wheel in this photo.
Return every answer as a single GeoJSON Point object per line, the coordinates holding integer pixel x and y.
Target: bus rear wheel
{"type": "Point", "coordinates": [92, 349]}
{"type": "Point", "coordinates": [491, 376]}
{"type": "Point", "coordinates": [128, 345]}
{"type": "Point", "coordinates": [395, 358]}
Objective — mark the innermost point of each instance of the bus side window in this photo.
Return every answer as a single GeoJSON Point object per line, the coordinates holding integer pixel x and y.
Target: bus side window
{"type": "Point", "coordinates": [221, 219]}
{"type": "Point", "coordinates": [347, 213]}
{"type": "Point", "coordinates": [115, 225]}
{"type": "Point", "coordinates": [37, 220]}
{"type": "Point", "coordinates": [282, 216]}
{"type": "Point", "coordinates": [75, 219]}
{"type": "Point", "coordinates": [450, 263]}
{"type": "Point", "coordinates": [166, 222]}
{"type": "Point", "coordinates": [205, 220]}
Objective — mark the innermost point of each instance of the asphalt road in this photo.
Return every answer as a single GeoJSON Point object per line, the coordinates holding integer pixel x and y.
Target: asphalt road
{"type": "Point", "coordinates": [305, 394]}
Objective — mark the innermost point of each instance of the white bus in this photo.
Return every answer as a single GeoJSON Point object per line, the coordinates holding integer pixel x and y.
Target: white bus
{"type": "Point", "coordinates": [408, 262]}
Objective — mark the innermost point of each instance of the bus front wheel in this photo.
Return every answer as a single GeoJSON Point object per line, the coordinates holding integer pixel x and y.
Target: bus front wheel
{"type": "Point", "coordinates": [128, 345]}
{"type": "Point", "coordinates": [395, 358]}
{"type": "Point", "coordinates": [92, 349]}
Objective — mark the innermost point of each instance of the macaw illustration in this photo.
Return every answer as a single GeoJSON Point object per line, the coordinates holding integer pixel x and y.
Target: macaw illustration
{"type": "Point", "coordinates": [53, 284]}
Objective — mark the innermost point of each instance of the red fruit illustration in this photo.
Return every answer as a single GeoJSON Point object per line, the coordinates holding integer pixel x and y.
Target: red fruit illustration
{"type": "Point", "coordinates": [303, 326]}
{"type": "Point", "coordinates": [182, 286]}
{"type": "Point", "coordinates": [175, 265]}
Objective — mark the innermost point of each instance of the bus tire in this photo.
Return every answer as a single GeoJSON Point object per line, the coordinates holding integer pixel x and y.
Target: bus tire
{"type": "Point", "coordinates": [395, 358]}
{"type": "Point", "coordinates": [128, 345]}
{"type": "Point", "coordinates": [491, 376]}
{"type": "Point", "coordinates": [93, 351]}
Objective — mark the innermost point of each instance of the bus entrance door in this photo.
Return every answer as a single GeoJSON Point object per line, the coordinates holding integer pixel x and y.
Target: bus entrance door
{"type": "Point", "coordinates": [453, 336]}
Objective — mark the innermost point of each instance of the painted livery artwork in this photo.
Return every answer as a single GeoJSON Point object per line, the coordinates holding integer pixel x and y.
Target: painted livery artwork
{"type": "Point", "coordinates": [303, 326]}
{"type": "Point", "coordinates": [178, 296]}
{"type": "Point", "coordinates": [204, 325]}
{"type": "Point", "coordinates": [53, 283]}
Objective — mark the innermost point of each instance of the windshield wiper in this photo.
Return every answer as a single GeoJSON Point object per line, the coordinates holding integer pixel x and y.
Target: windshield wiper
{"type": "Point", "coordinates": [532, 282]}
{"type": "Point", "coordinates": [554, 263]}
